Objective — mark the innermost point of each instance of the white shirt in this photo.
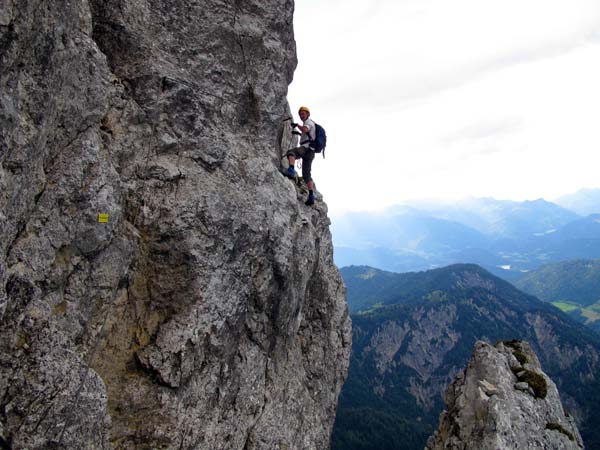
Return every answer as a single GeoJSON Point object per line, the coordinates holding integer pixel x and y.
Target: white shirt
{"type": "Point", "coordinates": [312, 132]}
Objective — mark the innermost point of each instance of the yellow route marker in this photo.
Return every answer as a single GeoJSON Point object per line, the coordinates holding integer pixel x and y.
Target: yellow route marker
{"type": "Point", "coordinates": [103, 218]}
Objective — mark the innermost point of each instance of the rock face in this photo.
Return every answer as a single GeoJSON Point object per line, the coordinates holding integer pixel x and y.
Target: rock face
{"type": "Point", "coordinates": [503, 400]}
{"type": "Point", "coordinates": [205, 311]}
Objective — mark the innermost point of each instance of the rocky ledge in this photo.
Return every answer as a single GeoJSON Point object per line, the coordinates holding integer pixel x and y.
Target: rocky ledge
{"type": "Point", "coordinates": [503, 400]}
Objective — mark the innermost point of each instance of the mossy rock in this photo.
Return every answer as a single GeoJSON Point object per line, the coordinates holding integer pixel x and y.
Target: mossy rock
{"type": "Point", "coordinates": [515, 345]}
{"type": "Point", "coordinates": [521, 357]}
{"type": "Point", "coordinates": [536, 381]}
{"type": "Point", "coordinates": [558, 427]}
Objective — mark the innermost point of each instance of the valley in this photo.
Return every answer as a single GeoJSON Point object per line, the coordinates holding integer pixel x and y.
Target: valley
{"type": "Point", "coordinates": [413, 332]}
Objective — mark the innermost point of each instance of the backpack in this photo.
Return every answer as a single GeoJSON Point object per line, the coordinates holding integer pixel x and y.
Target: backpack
{"type": "Point", "coordinates": [320, 141]}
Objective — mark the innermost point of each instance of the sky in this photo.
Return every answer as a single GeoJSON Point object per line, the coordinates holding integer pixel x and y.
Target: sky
{"type": "Point", "coordinates": [442, 100]}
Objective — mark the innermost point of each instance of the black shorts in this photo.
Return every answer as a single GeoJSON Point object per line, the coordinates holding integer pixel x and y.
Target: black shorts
{"type": "Point", "coordinates": [306, 155]}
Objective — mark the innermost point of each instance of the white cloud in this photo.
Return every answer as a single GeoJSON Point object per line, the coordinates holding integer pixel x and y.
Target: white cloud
{"type": "Point", "coordinates": [483, 131]}
{"type": "Point", "coordinates": [429, 98]}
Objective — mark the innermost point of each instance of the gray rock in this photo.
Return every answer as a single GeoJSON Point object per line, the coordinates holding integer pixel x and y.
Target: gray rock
{"type": "Point", "coordinates": [519, 415]}
{"type": "Point", "coordinates": [206, 312]}
{"type": "Point", "coordinates": [522, 386]}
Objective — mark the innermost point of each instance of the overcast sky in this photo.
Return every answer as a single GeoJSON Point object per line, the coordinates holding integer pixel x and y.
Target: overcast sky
{"type": "Point", "coordinates": [439, 99]}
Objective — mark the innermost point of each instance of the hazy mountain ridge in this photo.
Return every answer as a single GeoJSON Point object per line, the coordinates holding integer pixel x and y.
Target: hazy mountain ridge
{"type": "Point", "coordinates": [505, 218]}
{"type": "Point", "coordinates": [507, 238]}
{"type": "Point", "coordinates": [407, 350]}
{"type": "Point", "coordinates": [583, 202]}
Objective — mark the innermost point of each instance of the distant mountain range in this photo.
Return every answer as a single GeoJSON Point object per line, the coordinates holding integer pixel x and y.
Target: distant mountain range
{"type": "Point", "coordinates": [413, 332]}
{"type": "Point", "coordinates": [584, 202]}
{"type": "Point", "coordinates": [507, 238]}
{"type": "Point", "coordinates": [504, 218]}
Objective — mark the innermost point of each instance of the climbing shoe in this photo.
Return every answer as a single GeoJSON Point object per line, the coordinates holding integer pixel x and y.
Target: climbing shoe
{"type": "Point", "coordinates": [290, 172]}
{"type": "Point", "coordinates": [310, 200]}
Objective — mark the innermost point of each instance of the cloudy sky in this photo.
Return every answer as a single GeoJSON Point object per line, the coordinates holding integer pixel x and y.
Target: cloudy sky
{"type": "Point", "coordinates": [439, 99]}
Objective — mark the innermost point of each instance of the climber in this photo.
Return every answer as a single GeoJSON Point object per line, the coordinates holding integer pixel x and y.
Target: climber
{"type": "Point", "coordinates": [304, 152]}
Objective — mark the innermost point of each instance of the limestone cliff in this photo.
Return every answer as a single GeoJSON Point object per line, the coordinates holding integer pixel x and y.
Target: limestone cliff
{"type": "Point", "coordinates": [503, 400]}
{"type": "Point", "coordinates": [202, 310]}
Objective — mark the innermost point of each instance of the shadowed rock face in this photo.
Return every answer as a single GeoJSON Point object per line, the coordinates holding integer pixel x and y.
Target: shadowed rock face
{"type": "Point", "coordinates": [207, 312]}
{"type": "Point", "coordinates": [504, 400]}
